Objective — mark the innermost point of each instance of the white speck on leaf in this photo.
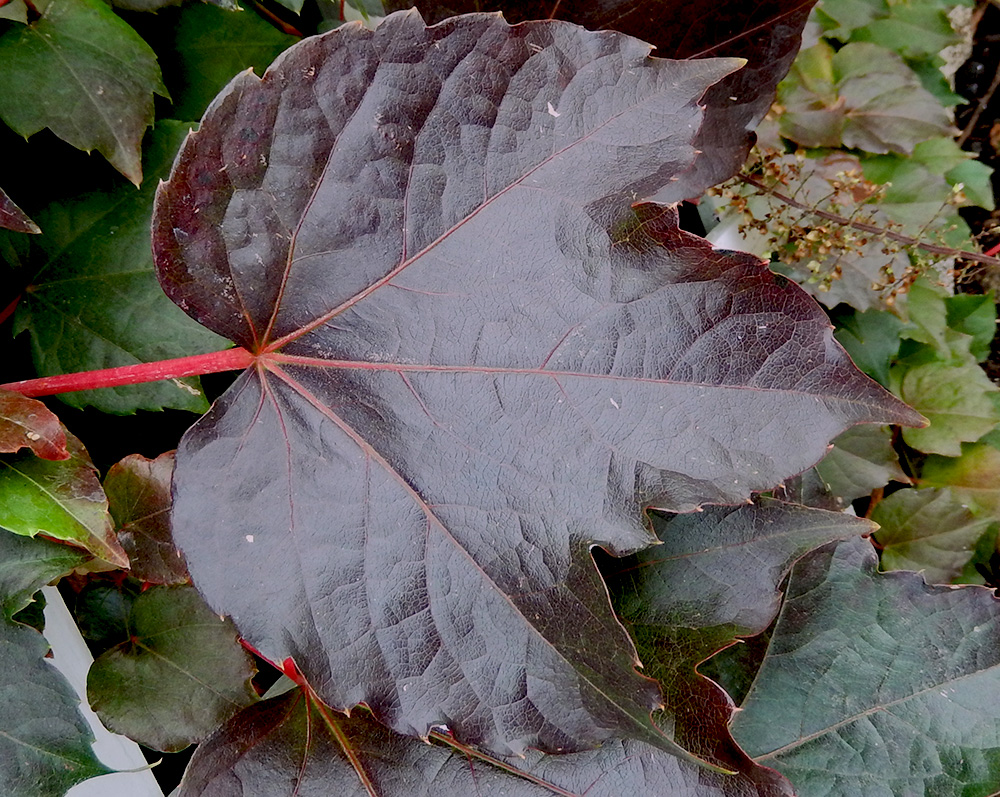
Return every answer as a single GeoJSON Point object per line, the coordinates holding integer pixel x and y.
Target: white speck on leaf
{"type": "Point", "coordinates": [33, 436]}
{"type": "Point", "coordinates": [249, 538]}
{"type": "Point", "coordinates": [614, 404]}
{"type": "Point", "coordinates": [553, 111]}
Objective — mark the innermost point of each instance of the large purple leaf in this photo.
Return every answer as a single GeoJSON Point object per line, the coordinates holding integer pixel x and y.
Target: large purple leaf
{"type": "Point", "coordinates": [767, 33]}
{"type": "Point", "coordinates": [475, 361]}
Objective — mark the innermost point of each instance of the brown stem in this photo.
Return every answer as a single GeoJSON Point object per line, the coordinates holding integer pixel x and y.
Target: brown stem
{"type": "Point", "coordinates": [873, 229]}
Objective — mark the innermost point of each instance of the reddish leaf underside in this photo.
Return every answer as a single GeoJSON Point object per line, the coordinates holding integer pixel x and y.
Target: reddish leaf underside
{"type": "Point", "coordinates": [27, 423]}
{"type": "Point", "coordinates": [475, 360]}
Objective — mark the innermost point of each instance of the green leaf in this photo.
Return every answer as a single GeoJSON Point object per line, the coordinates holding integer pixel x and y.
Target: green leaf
{"type": "Point", "coordinates": [872, 339]}
{"type": "Point", "coordinates": [60, 499]}
{"type": "Point", "coordinates": [95, 302]}
{"type": "Point", "coordinates": [956, 399]}
{"type": "Point", "coordinates": [27, 565]}
{"type": "Point", "coordinates": [876, 684]}
{"type": "Point", "coordinates": [714, 577]}
{"type": "Point", "coordinates": [181, 673]}
{"type": "Point", "coordinates": [138, 492]}
{"type": "Point", "coordinates": [863, 96]}
{"type": "Point", "coordinates": [912, 31]}
{"type": "Point", "coordinates": [86, 75]}
{"type": "Point", "coordinates": [976, 316]}
{"type": "Point", "coordinates": [926, 310]}
{"type": "Point", "coordinates": [209, 46]}
{"type": "Point", "coordinates": [45, 744]}
{"type": "Point", "coordinates": [862, 459]}
{"type": "Point", "coordinates": [974, 477]}
{"type": "Point", "coordinates": [928, 531]}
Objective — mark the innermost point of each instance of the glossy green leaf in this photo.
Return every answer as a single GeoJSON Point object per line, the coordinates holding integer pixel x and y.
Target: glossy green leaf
{"type": "Point", "coordinates": [44, 741]}
{"type": "Point", "coordinates": [94, 301]}
{"type": "Point", "coordinates": [86, 75]}
{"type": "Point", "coordinates": [209, 46]}
{"type": "Point", "coordinates": [976, 316]}
{"type": "Point", "coordinates": [862, 96]}
{"type": "Point", "coordinates": [27, 423]}
{"type": "Point", "coordinates": [138, 492]}
{"type": "Point", "coordinates": [956, 399]}
{"type": "Point", "coordinates": [59, 499]}
{"type": "Point", "coordinates": [862, 459]}
{"type": "Point", "coordinates": [877, 684]}
{"type": "Point", "coordinates": [179, 675]}
{"type": "Point", "coordinates": [929, 531]}
{"type": "Point", "coordinates": [974, 477]}
{"type": "Point", "coordinates": [28, 564]}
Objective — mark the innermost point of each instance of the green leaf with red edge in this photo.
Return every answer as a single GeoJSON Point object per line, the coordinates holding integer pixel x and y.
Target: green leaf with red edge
{"type": "Point", "coordinates": [713, 579]}
{"type": "Point", "coordinates": [294, 745]}
{"type": "Point", "coordinates": [61, 499]}
{"type": "Point", "coordinates": [178, 676]}
{"type": "Point", "coordinates": [875, 683]}
{"type": "Point", "coordinates": [138, 491]}
{"type": "Point", "coordinates": [476, 359]}
{"type": "Point", "coordinates": [13, 218]}
{"type": "Point", "coordinates": [82, 72]}
{"type": "Point", "coordinates": [766, 33]}
{"type": "Point", "coordinates": [27, 423]}
{"type": "Point", "coordinates": [45, 744]}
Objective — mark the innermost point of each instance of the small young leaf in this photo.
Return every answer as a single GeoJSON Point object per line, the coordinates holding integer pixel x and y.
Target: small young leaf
{"type": "Point", "coordinates": [27, 423]}
{"type": "Point", "coordinates": [974, 477]}
{"type": "Point", "coordinates": [94, 301]}
{"type": "Point", "coordinates": [85, 74]}
{"type": "Point", "coordinates": [956, 399]}
{"type": "Point", "coordinates": [138, 492]}
{"type": "Point", "coordinates": [44, 741]}
{"type": "Point", "coordinates": [180, 674]}
{"type": "Point", "coordinates": [60, 499]}
{"type": "Point", "coordinates": [877, 683]}
{"type": "Point", "coordinates": [28, 564]}
{"type": "Point", "coordinates": [928, 531]}
{"type": "Point", "coordinates": [13, 218]}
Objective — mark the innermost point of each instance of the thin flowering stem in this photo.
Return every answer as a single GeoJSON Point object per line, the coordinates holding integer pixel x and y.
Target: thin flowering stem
{"type": "Point", "coordinates": [196, 365]}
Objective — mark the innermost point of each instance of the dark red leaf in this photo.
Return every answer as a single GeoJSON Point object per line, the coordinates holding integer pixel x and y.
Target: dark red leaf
{"type": "Point", "coordinates": [12, 217]}
{"type": "Point", "coordinates": [475, 361]}
{"type": "Point", "coordinates": [138, 491]}
{"type": "Point", "coordinates": [767, 33]}
{"type": "Point", "coordinates": [27, 423]}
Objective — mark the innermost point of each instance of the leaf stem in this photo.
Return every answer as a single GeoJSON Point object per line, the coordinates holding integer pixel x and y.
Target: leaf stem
{"type": "Point", "coordinates": [874, 229]}
{"type": "Point", "coordinates": [196, 365]}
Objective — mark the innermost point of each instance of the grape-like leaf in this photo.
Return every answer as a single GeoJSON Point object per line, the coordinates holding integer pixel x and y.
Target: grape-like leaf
{"type": "Point", "coordinates": [85, 74]}
{"type": "Point", "coordinates": [138, 491]}
{"type": "Point", "coordinates": [974, 477]}
{"type": "Point", "coordinates": [877, 683]}
{"type": "Point", "coordinates": [13, 218]}
{"type": "Point", "coordinates": [44, 741]}
{"type": "Point", "coordinates": [862, 459]}
{"type": "Point", "coordinates": [27, 423]}
{"type": "Point", "coordinates": [61, 499]}
{"type": "Point", "coordinates": [475, 359]}
{"type": "Point", "coordinates": [179, 674]}
{"type": "Point", "coordinates": [294, 745]}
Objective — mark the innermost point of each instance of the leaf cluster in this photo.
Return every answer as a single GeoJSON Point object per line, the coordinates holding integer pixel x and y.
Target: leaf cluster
{"type": "Point", "coordinates": [516, 495]}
